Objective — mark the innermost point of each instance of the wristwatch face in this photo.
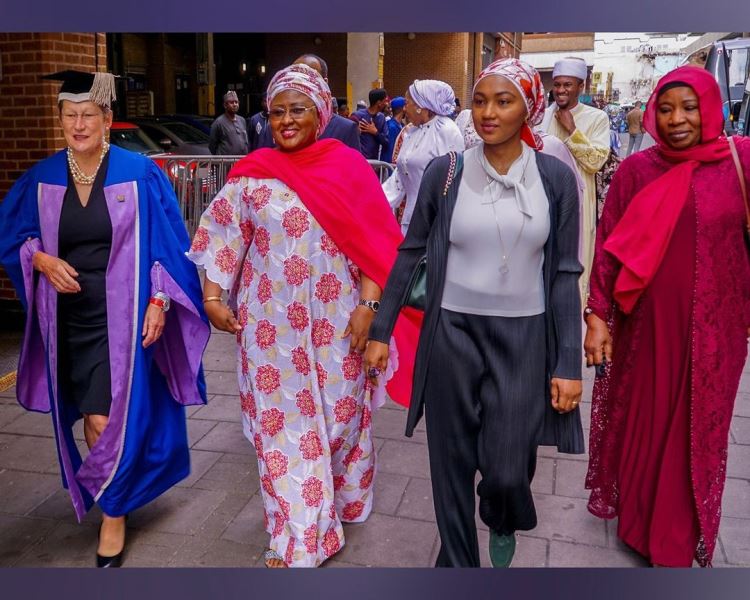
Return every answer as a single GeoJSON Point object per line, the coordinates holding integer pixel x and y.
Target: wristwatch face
{"type": "Point", "coordinates": [375, 305]}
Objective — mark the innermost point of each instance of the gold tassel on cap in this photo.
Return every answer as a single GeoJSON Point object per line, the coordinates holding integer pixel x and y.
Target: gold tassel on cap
{"type": "Point", "coordinates": [103, 90]}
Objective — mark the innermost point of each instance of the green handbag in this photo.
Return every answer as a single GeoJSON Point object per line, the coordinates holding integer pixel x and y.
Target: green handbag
{"type": "Point", "coordinates": [417, 294]}
{"type": "Point", "coordinates": [418, 286]}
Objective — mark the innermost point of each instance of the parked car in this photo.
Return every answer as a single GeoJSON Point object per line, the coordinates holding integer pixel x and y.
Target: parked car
{"type": "Point", "coordinates": [174, 136]}
{"type": "Point", "coordinates": [199, 122]}
{"type": "Point", "coordinates": [131, 137]}
{"type": "Point", "coordinates": [729, 62]}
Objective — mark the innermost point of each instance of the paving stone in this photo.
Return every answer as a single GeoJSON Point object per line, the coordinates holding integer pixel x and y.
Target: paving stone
{"type": "Point", "coordinates": [9, 413]}
{"type": "Point", "coordinates": [336, 563]}
{"type": "Point", "coordinates": [225, 437]}
{"type": "Point", "coordinates": [67, 545]}
{"type": "Point", "coordinates": [139, 555]}
{"type": "Point", "coordinates": [197, 430]}
{"type": "Point", "coordinates": [22, 491]}
{"type": "Point", "coordinates": [31, 424]}
{"type": "Point", "coordinates": [385, 541]}
{"type": "Point", "coordinates": [200, 462]}
{"type": "Point", "coordinates": [231, 477]}
{"type": "Point", "coordinates": [566, 519]}
{"type": "Point", "coordinates": [191, 410]}
{"type": "Point", "coordinates": [738, 463]}
{"type": "Point", "coordinates": [417, 501]}
{"type": "Point", "coordinates": [220, 360]}
{"type": "Point", "coordinates": [179, 510]}
{"type": "Point", "coordinates": [390, 424]}
{"type": "Point", "coordinates": [223, 515]}
{"type": "Point", "coordinates": [531, 552]}
{"type": "Point", "coordinates": [247, 527]}
{"type": "Point", "coordinates": [741, 430]}
{"type": "Point", "coordinates": [221, 408]}
{"type": "Point", "coordinates": [17, 535]}
{"type": "Point", "coordinates": [735, 536]}
{"type": "Point", "coordinates": [544, 478]}
{"type": "Point", "coordinates": [58, 507]}
{"type": "Point", "coordinates": [736, 500]}
{"type": "Point", "coordinates": [404, 458]}
{"type": "Point", "coordinates": [570, 478]}
{"type": "Point", "coordinates": [742, 405]}
{"type": "Point", "coordinates": [224, 384]}
{"type": "Point", "coordinates": [551, 452]}
{"type": "Point", "coordinates": [564, 554]}
{"type": "Point", "coordinates": [23, 453]}
{"type": "Point", "coordinates": [388, 492]}
{"type": "Point", "coordinates": [216, 553]}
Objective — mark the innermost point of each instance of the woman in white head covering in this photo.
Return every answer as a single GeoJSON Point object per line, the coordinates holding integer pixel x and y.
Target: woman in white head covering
{"type": "Point", "coordinates": [429, 106]}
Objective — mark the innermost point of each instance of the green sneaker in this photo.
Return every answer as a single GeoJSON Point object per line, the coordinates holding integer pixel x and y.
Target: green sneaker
{"type": "Point", "coordinates": [502, 549]}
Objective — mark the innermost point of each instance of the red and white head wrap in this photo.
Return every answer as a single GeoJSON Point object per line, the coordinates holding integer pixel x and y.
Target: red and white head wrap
{"type": "Point", "coordinates": [309, 82]}
{"type": "Point", "coordinates": [527, 81]}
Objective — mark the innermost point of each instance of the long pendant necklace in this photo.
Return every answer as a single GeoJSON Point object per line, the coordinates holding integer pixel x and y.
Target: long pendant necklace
{"type": "Point", "coordinates": [505, 256]}
{"type": "Point", "coordinates": [78, 175]}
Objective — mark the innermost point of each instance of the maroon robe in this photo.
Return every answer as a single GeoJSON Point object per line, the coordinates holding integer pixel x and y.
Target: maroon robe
{"type": "Point", "coordinates": [691, 380]}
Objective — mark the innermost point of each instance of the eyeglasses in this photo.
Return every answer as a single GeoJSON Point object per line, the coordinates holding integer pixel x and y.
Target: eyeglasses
{"type": "Point", "coordinates": [296, 112]}
{"type": "Point", "coordinates": [72, 117]}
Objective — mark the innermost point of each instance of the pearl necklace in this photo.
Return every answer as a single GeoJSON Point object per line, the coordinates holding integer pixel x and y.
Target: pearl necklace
{"type": "Point", "coordinates": [78, 175]}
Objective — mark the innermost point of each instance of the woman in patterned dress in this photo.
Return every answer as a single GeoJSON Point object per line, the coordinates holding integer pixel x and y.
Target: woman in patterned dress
{"type": "Point", "coordinates": [289, 236]}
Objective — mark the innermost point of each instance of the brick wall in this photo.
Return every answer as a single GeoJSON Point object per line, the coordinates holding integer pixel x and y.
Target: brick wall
{"type": "Point", "coordinates": [28, 104]}
{"type": "Point", "coordinates": [557, 42]}
{"type": "Point", "coordinates": [444, 56]}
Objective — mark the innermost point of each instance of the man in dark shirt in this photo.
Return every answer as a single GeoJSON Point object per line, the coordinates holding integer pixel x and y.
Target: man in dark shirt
{"type": "Point", "coordinates": [339, 128]}
{"type": "Point", "coordinates": [228, 132]}
{"type": "Point", "coordinates": [394, 126]}
{"type": "Point", "coordinates": [258, 132]}
{"type": "Point", "coordinates": [372, 128]}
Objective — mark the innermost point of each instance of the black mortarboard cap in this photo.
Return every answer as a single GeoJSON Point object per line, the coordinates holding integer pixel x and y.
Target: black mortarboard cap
{"type": "Point", "coordinates": [79, 86]}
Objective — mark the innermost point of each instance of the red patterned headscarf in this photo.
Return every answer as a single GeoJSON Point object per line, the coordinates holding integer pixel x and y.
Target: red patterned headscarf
{"type": "Point", "coordinates": [309, 82]}
{"type": "Point", "coordinates": [527, 81]}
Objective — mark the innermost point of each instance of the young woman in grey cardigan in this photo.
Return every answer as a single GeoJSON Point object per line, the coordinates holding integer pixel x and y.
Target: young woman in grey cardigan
{"type": "Point", "coordinates": [498, 366]}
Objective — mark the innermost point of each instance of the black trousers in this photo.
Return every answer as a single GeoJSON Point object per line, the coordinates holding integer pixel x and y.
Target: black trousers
{"type": "Point", "coordinates": [484, 410]}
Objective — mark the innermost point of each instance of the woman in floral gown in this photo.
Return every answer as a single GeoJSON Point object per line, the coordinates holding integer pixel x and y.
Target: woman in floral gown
{"type": "Point", "coordinates": [290, 237]}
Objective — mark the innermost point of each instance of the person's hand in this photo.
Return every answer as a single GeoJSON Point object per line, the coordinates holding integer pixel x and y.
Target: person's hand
{"type": "Point", "coordinates": [565, 118]}
{"type": "Point", "coordinates": [376, 357]}
{"type": "Point", "coordinates": [58, 272]}
{"type": "Point", "coordinates": [368, 127]}
{"type": "Point", "coordinates": [565, 393]}
{"type": "Point", "coordinates": [598, 342]}
{"type": "Point", "coordinates": [153, 325]}
{"type": "Point", "coordinates": [359, 327]}
{"type": "Point", "coordinates": [221, 317]}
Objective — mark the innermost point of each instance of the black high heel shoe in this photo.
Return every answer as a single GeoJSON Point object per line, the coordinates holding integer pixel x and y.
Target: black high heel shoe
{"type": "Point", "coordinates": [110, 562]}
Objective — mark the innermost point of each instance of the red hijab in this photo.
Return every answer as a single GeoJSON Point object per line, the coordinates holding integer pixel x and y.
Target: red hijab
{"type": "Point", "coordinates": [641, 237]}
{"type": "Point", "coordinates": [341, 191]}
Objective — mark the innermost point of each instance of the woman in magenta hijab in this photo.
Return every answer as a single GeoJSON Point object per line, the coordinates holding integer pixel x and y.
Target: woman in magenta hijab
{"type": "Point", "coordinates": [668, 314]}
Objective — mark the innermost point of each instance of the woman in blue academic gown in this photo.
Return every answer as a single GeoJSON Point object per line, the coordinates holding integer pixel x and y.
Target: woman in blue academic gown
{"type": "Point", "coordinates": [94, 243]}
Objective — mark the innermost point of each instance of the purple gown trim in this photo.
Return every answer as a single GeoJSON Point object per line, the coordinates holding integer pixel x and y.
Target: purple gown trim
{"type": "Point", "coordinates": [50, 201]}
{"type": "Point", "coordinates": [33, 390]}
{"type": "Point", "coordinates": [100, 465]}
{"type": "Point", "coordinates": [179, 350]}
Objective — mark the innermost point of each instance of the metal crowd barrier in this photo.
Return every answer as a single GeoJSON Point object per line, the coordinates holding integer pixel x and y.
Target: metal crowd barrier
{"type": "Point", "coordinates": [197, 179]}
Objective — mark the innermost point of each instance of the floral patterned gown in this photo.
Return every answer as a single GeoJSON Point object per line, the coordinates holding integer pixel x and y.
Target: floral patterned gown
{"type": "Point", "coordinates": [303, 394]}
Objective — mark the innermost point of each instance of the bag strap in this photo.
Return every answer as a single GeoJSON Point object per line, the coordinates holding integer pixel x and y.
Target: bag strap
{"type": "Point", "coordinates": [743, 186]}
{"type": "Point", "coordinates": [455, 165]}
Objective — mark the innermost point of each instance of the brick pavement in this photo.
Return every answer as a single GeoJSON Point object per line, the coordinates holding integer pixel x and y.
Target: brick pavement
{"type": "Point", "coordinates": [214, 518]}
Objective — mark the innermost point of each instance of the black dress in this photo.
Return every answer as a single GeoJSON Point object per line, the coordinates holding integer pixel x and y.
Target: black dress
{"type": "Point", "coordinates": [85, 240]}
